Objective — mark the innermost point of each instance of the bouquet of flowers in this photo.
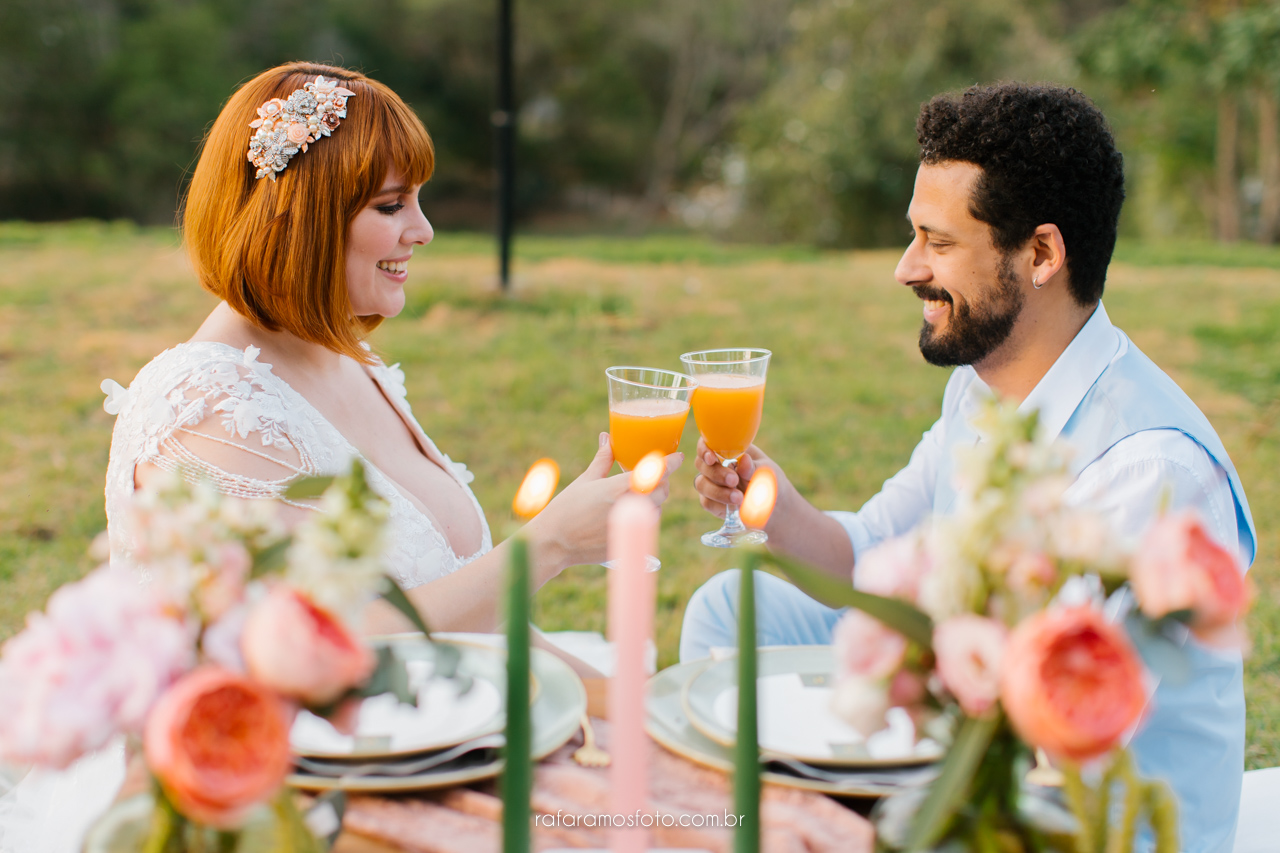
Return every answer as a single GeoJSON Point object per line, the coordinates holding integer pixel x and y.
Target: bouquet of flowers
{"type": "Point", "coordinates": [204, 650]}
{"type": "Point", "coordinates": [1022, 625]}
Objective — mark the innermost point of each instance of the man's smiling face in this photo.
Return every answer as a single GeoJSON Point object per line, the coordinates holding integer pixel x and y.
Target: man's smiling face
{"type": "Point", "coordinates": [972, 296]}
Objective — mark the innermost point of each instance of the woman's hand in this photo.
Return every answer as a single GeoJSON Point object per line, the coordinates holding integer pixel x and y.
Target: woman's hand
{"type": "Point", "coordinates": [573, 529]}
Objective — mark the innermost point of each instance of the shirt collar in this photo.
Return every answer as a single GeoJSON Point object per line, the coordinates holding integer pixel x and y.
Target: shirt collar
{"type": "Point", "coordinates": [1060, 390]}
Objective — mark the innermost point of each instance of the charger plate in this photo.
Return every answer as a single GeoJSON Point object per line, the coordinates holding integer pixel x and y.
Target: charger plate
{"type": "Point", "coordinates": [667, 723]}
{"type": "Point", "coordinates": [388, 729]}
{"type": "Point", "coordinates": [557, 712]}
{"type": "Point", "coordinates": [795, 717]}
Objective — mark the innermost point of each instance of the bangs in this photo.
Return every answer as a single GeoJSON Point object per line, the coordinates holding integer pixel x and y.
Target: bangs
{"type": "Point", "coordinates": [397, 141]}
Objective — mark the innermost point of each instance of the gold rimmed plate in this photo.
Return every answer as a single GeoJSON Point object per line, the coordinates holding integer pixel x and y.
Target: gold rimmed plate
{"type": "Point", "coordinates": [449, 711]}
{"type": "Point", "coordinates": [794, 689]}
{"type": "Point", "coordinates": [556, 713]}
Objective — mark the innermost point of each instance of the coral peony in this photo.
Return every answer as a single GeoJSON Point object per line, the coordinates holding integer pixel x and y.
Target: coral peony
{"type": "Point", "coordinates": [893, 568]}
{"type": "Point", "coordinates": [1071, 683]}
{"type": "Point", "coordinates": [969, 649]}
{"type": "Point", "coordinates": [302, 650]}
{"type": "Point", "coordinates": [219, 744]}
{"type": "Point", "coordinates": [88, 668]}
{"type": "Point", "coordinates": [1180, 567]}
{"type": "Point", "coordinates": [866, 647]}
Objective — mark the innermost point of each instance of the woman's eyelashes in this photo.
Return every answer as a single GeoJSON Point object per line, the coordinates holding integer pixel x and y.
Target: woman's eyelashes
{"type": "Point", "coordinates": [391, 209]}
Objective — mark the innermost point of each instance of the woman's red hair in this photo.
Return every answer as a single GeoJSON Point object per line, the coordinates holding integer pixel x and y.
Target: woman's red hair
{"type": "Point", "coordinates": [275, 251]}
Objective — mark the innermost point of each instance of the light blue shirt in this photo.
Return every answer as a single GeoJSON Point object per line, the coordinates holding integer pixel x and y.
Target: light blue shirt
{"type": "Point", "coordinates": [1139, 439]}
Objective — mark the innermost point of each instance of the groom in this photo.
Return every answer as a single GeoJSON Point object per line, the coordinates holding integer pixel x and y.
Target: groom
{"type": "Point", "coordinates": [1014, 216]}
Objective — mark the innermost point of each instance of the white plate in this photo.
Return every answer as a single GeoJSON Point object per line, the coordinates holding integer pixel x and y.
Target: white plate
{"type": "Point", "coordinates": [557, 712]}
{"type": "Point", "coordinates": [388, 728]}
{"type": "Point", "coordinates": [794, 688]}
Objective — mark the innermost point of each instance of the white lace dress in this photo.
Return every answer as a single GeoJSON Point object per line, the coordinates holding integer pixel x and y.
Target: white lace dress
{"type": "Point", "coordinates": [204, 391]}
{"type": "Point", "coordinates": [187, 396]}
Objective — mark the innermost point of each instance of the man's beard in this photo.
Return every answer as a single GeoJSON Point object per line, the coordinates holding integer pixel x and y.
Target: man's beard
{"type": "Point", "coordinates": [972, 335]}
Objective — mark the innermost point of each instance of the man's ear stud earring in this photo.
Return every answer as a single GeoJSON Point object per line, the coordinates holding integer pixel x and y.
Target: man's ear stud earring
{"type": "Point", "coordinates": [1035, 282]}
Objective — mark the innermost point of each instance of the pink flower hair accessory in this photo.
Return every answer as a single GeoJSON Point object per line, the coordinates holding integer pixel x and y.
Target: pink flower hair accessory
{"type": "Point", "coordinates": [286, 126]}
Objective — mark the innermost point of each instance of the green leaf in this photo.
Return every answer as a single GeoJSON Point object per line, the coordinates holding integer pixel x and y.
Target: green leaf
{"type": "Point", "coordinates": [389, 676]}
{"type": "Point", "coordinates": [948, 790]}
{"type": "Point", "coordinates": [395, 596]}
{"type": "Point", "coordinates": [912, 623]}
{"type": "Point", "coordinates": [270, 559]}
{"type": "Point", "coordinates": [307, 488]}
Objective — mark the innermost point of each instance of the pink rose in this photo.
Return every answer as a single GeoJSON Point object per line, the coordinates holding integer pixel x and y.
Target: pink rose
{"type": "Point", "coordinates": [893, 568]}
{"type": "Point", "coordinates": [219, 744]}
{"type": "Point", "coordinates": [91, 666]}
{"type": "Point", "coordinates": [864, 646]}
{"type": "Point", "coordinates": [1071, 683]}
{"type": "Point", "coordinates": [302, 650]}
{"type": "Point", "coordinates": [223, 587]}
{"type": "Point", "coordinates": [1180, 567]}
{"type": "Point", "coordinates": [297, 133]}
{"type": "Point", "coordinates": [906, 689]}
{"type": "Point", "coordinates": [1031, 574]}
{"type": "Point", "coordinates": [969, 649]}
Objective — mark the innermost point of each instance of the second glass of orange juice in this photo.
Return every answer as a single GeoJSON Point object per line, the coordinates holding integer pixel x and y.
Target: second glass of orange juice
{"type": "Point", "coordinates": [728, 406]}
{"type": "Point", "coordinates": [647, 411]}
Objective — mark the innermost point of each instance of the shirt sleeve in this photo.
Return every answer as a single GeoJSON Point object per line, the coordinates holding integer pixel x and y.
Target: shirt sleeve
{"type": "Point", "coordinates": [1147, 470]}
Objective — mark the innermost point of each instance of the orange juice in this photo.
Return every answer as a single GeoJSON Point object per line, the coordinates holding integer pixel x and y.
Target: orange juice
{"type": "Point", "coordinates": [637, 427]}
{"type": "Point", "coordinates": [727, 407]}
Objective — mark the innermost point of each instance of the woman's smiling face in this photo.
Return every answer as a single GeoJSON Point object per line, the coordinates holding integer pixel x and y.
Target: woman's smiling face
{"type": "Point", "coordinates": [379, 245]}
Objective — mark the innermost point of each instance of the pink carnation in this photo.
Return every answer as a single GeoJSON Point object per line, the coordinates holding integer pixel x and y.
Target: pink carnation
{"type": "Point", "coordinates": [969, 649]}
{"type": "Point", "coordinates": [864, 646]}
{"type": "Point", "coordinates": [1180, 567]}
{"type": "Point", "coordinates": [88, 668]}
{"type": "Point", "coordinates": [893, 568]}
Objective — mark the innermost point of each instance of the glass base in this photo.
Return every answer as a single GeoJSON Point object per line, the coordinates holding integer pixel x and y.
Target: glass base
{"type": "Point", "coordinates": [734, 539]}
{"type": "Point", "coordinates": [652, 563]}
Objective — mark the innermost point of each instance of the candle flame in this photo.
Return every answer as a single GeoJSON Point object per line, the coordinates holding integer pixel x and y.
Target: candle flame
{"type": "Point", "coordinates": [648, 473]}
{"type": "Point", "coordinates": [537, 489]}
{"type": "Point", "coordinates": [757, 503]}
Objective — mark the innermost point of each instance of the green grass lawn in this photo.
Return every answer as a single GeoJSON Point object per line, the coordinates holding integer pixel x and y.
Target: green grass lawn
{"type": "Point", "coordinates": [498, 382]}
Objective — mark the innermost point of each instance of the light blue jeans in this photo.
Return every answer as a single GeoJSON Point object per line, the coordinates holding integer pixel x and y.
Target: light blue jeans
{"type": "Point", "coordinates": [1193, 735]}
{"type": "Point", "coordinates": [785, 616]}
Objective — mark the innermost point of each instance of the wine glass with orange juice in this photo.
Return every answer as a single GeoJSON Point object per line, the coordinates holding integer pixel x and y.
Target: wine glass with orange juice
{"type": "Point", "coordinates": [647, 412]}
{"type": "Point", "coordinates": [727, 406]}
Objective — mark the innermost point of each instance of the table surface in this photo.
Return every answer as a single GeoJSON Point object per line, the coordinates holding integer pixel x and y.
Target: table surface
{"type": "Point", "coordinates": [468, 819]}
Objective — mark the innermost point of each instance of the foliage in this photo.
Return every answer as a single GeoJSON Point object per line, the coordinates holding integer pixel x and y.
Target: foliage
{"type": "Point", "coordinates": [831, 147]}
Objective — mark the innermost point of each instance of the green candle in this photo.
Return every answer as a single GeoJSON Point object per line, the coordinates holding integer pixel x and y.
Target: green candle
{"type": "Point", "coordinates": [517, 772]}
{"type": "Point", "coordinates": [746, 765]}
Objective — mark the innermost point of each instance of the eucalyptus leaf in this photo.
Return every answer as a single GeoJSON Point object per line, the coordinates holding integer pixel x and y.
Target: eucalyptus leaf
{"type": "Point", "coordinates": [902, 617]}
{"type": "Point", "coordinates": [389, 676]}
{"type": "Point", "coordinates": [307, 488]}
{"type": "Point", "coordinates": [270, 559]}
{"type": "Point", "coordinates": [395, 596]}
{"type": "Point", "coordinates": [948, 790]}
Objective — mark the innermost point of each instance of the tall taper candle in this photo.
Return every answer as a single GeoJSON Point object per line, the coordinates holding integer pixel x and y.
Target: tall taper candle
{"type": "Point", "coordinates": [746, 764]}
{"type": "Point", "coordinates": [633, 535]}
{"type": "Point", "coordinates": [517, 772]}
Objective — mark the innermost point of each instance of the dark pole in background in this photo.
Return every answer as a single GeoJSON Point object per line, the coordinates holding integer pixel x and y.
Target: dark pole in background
{"type": "Point", "coordinates": [505, 127]}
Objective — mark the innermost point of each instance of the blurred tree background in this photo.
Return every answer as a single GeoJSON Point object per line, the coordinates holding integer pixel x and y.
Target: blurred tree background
{"type": "Point", "coordinates": [777, 120]}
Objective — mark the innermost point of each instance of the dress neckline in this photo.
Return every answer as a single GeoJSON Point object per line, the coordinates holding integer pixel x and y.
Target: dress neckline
{"type": "Point", "coordinates": [402, 411]}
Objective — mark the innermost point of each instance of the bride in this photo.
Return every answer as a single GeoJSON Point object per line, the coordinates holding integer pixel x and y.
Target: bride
{"type": "Point", "coordinates": [302, 217]}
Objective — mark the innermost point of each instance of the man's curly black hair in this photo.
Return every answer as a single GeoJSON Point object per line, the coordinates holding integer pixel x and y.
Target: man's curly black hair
{"type": "Point", "coordinates": [1047, 157]}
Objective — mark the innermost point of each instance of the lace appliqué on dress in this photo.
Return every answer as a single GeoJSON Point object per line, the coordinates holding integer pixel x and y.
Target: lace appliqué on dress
{"type": "Point", "coordinates": [208, 410]}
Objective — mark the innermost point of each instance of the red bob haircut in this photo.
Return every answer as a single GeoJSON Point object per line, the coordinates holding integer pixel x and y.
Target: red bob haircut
{"type": "Point", "coordinates": [275, 251]}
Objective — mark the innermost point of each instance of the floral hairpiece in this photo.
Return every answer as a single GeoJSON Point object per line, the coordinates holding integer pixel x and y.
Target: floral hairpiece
{"type": "Point", "coordinates": [286, 126]}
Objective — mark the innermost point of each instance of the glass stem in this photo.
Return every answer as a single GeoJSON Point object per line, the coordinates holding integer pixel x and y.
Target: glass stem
{"type": "Point", "coordinates": [732, 524]}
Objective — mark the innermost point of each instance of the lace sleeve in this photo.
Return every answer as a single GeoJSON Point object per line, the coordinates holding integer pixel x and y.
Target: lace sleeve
{"type": "Point", "coordinates": [218, 415]}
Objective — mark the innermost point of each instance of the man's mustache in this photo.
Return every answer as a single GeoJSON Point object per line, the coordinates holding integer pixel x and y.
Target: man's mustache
{"type": "Point", "coordinates": [924, 291]}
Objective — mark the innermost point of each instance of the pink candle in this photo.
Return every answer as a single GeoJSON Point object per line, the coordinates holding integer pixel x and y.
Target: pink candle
{"type": "Point", "coordinates": [633, 534]}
